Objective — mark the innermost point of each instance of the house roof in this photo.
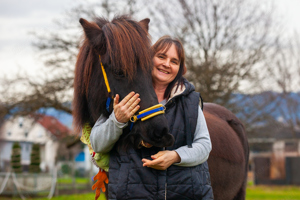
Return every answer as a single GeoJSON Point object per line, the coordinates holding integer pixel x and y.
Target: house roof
{"type": "Point", "coordinates": [277, 131]}
{"type": "Point", "coordinates": [53, 125]}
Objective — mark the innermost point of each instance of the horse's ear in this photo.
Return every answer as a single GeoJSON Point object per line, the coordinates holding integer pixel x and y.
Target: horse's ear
{"type": "Point", "coordinates": [145, 23]}
{"type": "Point", "coordinates": [95, 35]}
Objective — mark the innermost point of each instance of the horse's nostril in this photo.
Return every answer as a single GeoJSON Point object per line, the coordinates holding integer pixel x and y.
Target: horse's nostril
{"type": "Point", "coordinates": [165, 138]}
{"type": "Point", "coordinates": [168, 140]}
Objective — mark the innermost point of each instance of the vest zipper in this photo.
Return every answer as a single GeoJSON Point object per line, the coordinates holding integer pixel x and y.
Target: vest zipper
{"type": "Point", "coordinates": [165, 191]}
{"type": "Point", "coordinates": [166, 180]}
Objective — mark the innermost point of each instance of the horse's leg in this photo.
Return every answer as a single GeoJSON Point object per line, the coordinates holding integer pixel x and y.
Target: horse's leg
{"type": "Point", "coordinates": [106, 186]}
{"type": "Point", "coordinates": [225, 178]}
{"type": "Point", "coordinates": [241, 195]}
{"type": "Point", "coordinates": [106, 194]}
{"type": "Point", "coordinates": [240, 130]}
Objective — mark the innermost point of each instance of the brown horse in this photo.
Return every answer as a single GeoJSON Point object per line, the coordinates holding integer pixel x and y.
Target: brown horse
{"type": "Point", "coordinates": [124, 47]}
{"type": "Point", "coordinates": [228, 160]}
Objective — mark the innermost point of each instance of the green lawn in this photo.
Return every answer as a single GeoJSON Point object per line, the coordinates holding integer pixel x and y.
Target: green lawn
{"type": "Point", "coordinates": [273, 193]}
{"type": "Point", "coordinates": [253, 193]}
{"type": "Point", "coordinates": [69, 180]}
{"type": "Point", "coordinates": [64, 197]}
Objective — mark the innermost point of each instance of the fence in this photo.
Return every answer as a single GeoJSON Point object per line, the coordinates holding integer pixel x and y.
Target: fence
{"type": "Point", "coordinates": [263, 166]}
{"type": "Point", "coordinates": [28, 185]}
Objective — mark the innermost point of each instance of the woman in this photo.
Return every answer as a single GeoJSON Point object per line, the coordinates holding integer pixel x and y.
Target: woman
{"type": "Point", "coordinates": [177, 172]}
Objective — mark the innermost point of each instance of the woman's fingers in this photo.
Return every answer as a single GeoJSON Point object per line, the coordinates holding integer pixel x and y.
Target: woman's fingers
{"type": "Point", "coordinates": [134, 110]}
{"type": "Point", "coordinates": [127, 98]}
{"type": "Point", "coordinates": [116, 100]}
{"type": "Point", "coordinates": [125, 109]}
{"type": "Point", "coordinates": [132, 102]}
{"type": "Point", "coordinates": [162, 160]}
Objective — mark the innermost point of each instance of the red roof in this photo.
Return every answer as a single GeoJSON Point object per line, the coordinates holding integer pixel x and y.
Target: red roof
{"type": "Point", "coordinates": [53, 125]}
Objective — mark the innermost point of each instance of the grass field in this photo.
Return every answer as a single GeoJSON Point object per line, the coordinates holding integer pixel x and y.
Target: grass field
{"type": "Point", "coordinates": [253, 193]}
{"type": "Point", "coordinates": [86, 196]}
{"type": "Point", "coordinates": [273, 193]}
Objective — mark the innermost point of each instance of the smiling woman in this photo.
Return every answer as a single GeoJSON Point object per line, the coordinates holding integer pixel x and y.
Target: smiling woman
{"type": "Point", "coordinates": [166, 67]}
{"type": "Point", "coordinates": [169, 66]}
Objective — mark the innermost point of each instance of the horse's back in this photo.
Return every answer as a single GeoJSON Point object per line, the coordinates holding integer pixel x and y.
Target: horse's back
{"type": "Point", "coordinates": [222, 115]}
{"type": "Point", "coordinates": [228, 159]}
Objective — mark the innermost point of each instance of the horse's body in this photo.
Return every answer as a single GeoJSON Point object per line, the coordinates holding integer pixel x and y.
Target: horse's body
{"type": "Point", "coordinates": [124, 48]}
{"type": "Point", "coordinates": [228, 160]}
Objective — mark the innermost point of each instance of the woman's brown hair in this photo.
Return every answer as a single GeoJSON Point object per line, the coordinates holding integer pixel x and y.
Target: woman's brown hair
{"type": "Point", "coordinates": [163, 44]}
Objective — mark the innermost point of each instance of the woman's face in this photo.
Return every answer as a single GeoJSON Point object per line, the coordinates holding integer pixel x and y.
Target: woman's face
{"type": "Point", "coordinates": [166, 66]}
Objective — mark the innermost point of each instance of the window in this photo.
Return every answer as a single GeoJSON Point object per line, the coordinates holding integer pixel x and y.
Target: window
{"type": "Point", "coordinates": [291, 146]}
{"type": "Point", "coordinates": [21, 121]}
{"type": "Point", "coordinates": [40, 133]}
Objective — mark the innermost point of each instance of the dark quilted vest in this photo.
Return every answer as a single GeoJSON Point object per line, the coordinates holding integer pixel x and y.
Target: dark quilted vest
{"type": "Point", "coordinates": [128, 179]}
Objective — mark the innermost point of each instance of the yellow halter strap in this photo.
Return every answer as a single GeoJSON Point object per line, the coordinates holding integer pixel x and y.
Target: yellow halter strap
{"type": "Point", "coordinates": [104, 75]}
{"type": "Point", "coordinates": [149, 113]}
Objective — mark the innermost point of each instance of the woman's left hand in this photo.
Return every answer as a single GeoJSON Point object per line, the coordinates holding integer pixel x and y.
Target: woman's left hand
{"type": "Point", "coordinates": [162, 160]}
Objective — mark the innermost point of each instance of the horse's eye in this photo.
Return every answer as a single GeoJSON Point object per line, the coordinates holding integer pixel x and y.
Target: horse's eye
{"type": "Point", "coordinates": [118, 72]}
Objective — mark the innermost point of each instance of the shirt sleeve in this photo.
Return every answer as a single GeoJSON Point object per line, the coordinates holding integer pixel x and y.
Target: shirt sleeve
{"type": "Point", "coordinates": [201, 145]}
{"type": "Point", "coordinates": [105, 133]}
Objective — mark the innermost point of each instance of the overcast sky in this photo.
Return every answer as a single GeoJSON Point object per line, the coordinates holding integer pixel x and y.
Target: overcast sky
{"type": "Point", "coordinates": [19, 17]}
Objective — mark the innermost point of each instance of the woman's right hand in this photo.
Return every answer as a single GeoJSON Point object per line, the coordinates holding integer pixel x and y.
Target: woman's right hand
{"type": "Point", "coordinates": [125, 109]}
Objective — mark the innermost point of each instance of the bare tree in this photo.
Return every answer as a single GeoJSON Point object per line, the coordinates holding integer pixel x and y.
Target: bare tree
{"type": "Point", "coordinates": [58, 50]}
{"type": "Point", "coordinates": [284, 68]}
{"type": "Point", "coordinates": [224, 42]}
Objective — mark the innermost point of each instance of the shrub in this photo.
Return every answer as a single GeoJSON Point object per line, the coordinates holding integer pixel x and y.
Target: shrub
{"type": "Point", "coordinates": [35, 159]}
{"type": "Point", "coordinates": [15, 160]}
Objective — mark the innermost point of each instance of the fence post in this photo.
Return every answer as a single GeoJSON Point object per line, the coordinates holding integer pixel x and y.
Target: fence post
{"type": "Point", "coordinates": [73, 176]}
{"type": "Point", "coordinates": [288, 170]}
{"type": "Point", "coordinates": [91, 182]}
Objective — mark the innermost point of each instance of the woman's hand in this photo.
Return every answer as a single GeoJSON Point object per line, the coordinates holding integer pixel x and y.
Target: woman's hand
{"type": "Point", "coordinates": [127, 107]}
{"type": "Point", "coordinates": [162, 160]}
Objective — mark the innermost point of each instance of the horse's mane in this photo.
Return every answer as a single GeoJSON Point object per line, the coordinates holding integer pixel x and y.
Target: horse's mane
{"type": "Point", "coordinates": [128, 44]}
{"type": "Point", "coordinates": [123, 45]}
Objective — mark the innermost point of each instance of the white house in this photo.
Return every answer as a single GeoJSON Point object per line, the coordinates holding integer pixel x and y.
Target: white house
{"type": "Point", "coordinates": [42, 129]}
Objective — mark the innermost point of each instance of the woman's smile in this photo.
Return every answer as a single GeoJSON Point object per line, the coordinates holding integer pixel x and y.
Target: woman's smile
{"type": "Point", "coordinates": [163, 71]}
{"type": "Point", "coordinates": [166, 66]}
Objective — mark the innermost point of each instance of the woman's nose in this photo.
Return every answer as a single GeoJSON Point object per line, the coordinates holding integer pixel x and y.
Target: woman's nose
{"type": "Point", "coordinates": [167, 63]}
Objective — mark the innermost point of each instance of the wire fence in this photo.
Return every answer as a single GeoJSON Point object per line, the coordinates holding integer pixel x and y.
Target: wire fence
{"type": "Point", "coordinates": [64, 179]}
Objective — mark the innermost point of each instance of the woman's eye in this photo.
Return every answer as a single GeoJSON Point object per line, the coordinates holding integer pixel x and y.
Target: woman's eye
{"type": "Point", "coordinates": [118, 72]}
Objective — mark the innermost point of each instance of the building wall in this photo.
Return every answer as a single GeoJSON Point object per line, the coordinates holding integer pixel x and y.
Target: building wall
{"type": "Point", "coordinates": [24, 130]}
{"type": "Point", "coordinates": [27, 131]}
{"type": "Point", "coordinates": [51, 150]}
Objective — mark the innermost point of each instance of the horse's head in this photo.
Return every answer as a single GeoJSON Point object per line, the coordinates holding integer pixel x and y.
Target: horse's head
{"type": "Point", "coordinates": [124, 49]}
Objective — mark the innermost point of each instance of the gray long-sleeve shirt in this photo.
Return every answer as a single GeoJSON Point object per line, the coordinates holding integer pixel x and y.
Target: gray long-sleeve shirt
{"type": "Point", "coordinates": [107, 131]}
